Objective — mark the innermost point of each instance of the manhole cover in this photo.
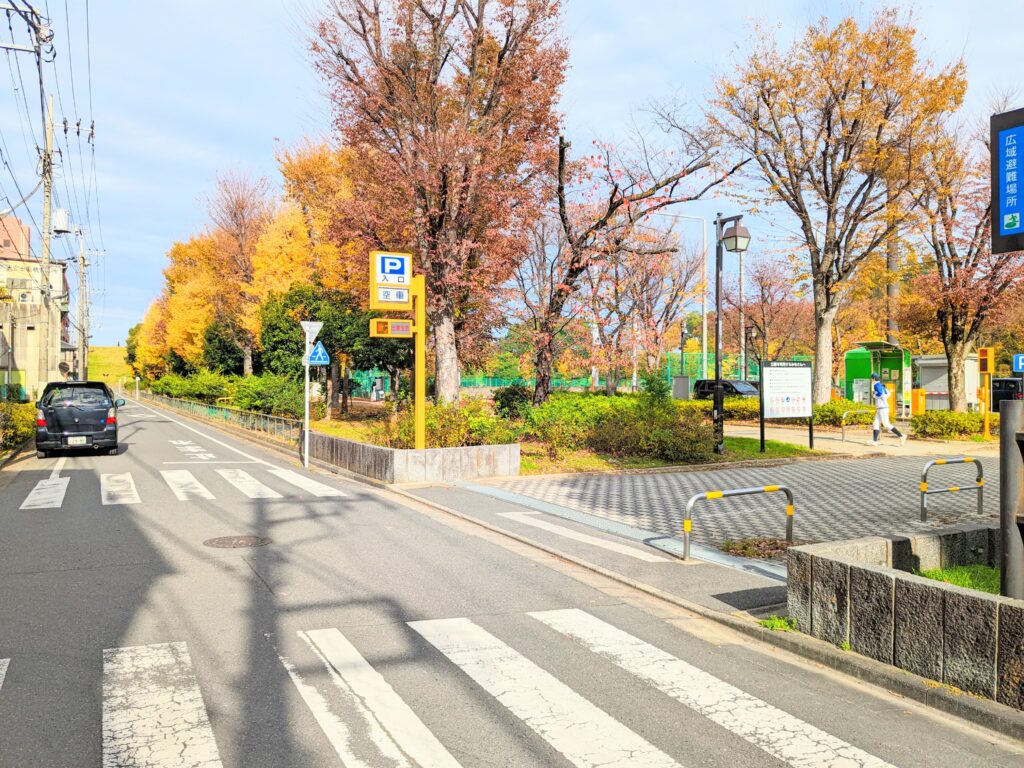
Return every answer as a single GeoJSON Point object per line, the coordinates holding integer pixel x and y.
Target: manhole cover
{"type": "Point", "coordinates": [236, 542]}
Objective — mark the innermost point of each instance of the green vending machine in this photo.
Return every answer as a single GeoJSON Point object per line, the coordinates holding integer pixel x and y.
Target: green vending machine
{"type": "Point", "coordinates": [890, 362]}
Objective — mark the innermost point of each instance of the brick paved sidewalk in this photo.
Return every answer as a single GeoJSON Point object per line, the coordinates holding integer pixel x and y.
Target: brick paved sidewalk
{"type": "Point", "coordinates": [835, 499]}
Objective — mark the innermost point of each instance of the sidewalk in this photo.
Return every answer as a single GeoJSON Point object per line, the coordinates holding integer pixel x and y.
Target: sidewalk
{"type": "Point", "coordinates": [858, 437]}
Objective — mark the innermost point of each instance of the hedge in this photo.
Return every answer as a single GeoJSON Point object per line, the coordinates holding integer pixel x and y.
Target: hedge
{"type": "Point", "coordinates": [17, 424]}
{"type": "Point", "coordinates": [949, 425]}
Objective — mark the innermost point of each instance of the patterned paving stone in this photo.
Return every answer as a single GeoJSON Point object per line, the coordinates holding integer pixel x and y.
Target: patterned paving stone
{"type": "Point", "coordinates": [836, 499]}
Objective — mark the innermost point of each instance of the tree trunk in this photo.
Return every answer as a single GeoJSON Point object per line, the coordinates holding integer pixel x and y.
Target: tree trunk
{"type": "Point", "coordinates": [247, 359]}
{"type": "Point", "coordinates": [334, 395]}
{"type": "Point", "coordinates": [824, 319]}
{"type": "Point", "coordinates": [394, 383]}
{"type": "Point", "coordinates": [956, 353]}
{"type": "Point", "coordinates": [544, 363]}
{"type": "Point", "coordinates": [345, 390]}
{"type": "Point", "coordinates": [446, 358]}
{"type": "Point", "coordinates": [611, 382]}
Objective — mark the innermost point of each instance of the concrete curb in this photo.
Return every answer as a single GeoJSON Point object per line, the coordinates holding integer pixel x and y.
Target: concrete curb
{"type": "Point", "coordinates": [982, 712]}
{"type": "Point", "coordinates": [8, 457]}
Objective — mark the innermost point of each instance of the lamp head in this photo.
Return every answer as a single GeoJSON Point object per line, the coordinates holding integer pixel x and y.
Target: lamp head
{"type": "Point", "coordinates": [736, 237]}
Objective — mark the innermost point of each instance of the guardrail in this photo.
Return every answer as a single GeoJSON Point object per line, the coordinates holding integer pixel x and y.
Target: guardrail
{"type": "Point", "coordinates": [709, 495]}
{"type": "Point", "coordinates": [842, 420]}
{"type": "Point", "coordinates": [276, 426]}
{"type": "Point", "coordinates": [925, 491]}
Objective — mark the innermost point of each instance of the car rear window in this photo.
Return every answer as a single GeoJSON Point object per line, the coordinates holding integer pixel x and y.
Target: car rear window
{"type": "Point", "coordinates": [744, 388]}
{"type": "Point", "coordinates": [78, 396]}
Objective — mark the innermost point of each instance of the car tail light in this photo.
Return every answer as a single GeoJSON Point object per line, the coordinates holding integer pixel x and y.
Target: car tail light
{"type": "Point", "coordinates": [1019, 396]}
{"type": "Point", "coordinates": [40, 419]}
{"type": "Point", "coordinates": [111, 416]}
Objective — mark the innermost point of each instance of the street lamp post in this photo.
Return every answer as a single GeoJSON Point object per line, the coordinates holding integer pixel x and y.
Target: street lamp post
{"type": "Point", "coordinates": [734, 239]}
{"type": "Point", "coordinates": [703, 285]}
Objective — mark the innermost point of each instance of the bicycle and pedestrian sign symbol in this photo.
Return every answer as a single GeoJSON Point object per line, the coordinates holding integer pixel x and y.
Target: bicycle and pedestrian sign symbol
{"type": "Point", "coordinates": [319, 355]}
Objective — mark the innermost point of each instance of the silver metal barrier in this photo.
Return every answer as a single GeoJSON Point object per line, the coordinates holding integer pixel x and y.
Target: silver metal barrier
{"type": "Point", "coordinates": [979, 485]}
{"type": "Point", "coordinates": [709, 495]}
{"type": "Point", "coordinates": [842, 420]}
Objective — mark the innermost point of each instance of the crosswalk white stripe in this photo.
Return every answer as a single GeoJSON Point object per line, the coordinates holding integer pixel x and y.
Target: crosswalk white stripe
{"type": "Point", "coordinates": [153, 711]}
{"type": "Point", "coordinates": [306, 483]}
{"type": "Point", "coordinates": [185, 485]}
{"type": "Point", "coordinates": [387, 718]}
{"type": "Point", "coordinates": [583, 733]}
{"type": "Point", "coordinates": [3, 670]}
{"type": "Point", "coordinates": [528, 518]}
{"type": "Point", "coordinates": [48, 494]}
{"type": "Point", "coordinates": [776, 732]}
{"type": "Point", "coordinates": [118, 488]}
{"type": "Point", "coordinates": [248, 484]}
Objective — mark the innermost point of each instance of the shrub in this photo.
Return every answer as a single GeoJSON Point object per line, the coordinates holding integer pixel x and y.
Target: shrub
{"type": "Point", "coordinates": [513, 401]}
{"type": "Point", "coordinates": [276, 395]}
{"type": "Point", "coordinates": [204, 386]}
{"type": "Point", "coordinates": [949, 425]}
{"type": "Point", "coordinates": [447, 426]}
{"type": "Point", "coordinates": [652, 427]}
{"type": "Point", "coordinates": [830, 414]}
{"type": "Point", "coordinates": [734, 408]}
{"type": "Point", "coordinates": [566, 420]}
{"type": "Point", "coordinates": [17, 423]}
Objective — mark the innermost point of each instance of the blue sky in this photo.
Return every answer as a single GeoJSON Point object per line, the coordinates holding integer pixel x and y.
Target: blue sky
{"type": "Point", "coordinates": [183, 90]}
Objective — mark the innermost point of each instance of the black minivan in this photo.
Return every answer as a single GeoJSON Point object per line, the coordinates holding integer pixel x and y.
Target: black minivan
{"type": "Point", "coordinates": [1006, 389]}
{"type": "Point", "coordinates": [76, 415]}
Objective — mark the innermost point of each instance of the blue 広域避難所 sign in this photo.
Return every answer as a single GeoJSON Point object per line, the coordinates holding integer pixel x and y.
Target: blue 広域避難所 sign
{"type": "Point", "coordinates": [1010, 192]}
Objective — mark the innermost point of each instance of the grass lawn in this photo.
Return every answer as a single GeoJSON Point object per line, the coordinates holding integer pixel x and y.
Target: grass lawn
{"type": "Point", "coordinates": [354, 427]}
{"type": "Point", "coordinates": [535, 459]}
{"type": "Point", "coordinates": [979, 577]}
{"type": "Point", "coordinates": [107, 364]}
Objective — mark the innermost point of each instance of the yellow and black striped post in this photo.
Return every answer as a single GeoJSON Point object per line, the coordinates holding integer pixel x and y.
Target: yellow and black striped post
{"type": "Point", "coordinates": [979, 483]}
{"type": "Point", "coordinates": [711, 495]}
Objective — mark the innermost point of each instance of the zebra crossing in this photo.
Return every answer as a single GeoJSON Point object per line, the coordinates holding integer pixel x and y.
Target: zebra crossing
{"type": "Point", "coordinates": [154, 714]}
{"type": "Point", "coordinates": [119, 488]}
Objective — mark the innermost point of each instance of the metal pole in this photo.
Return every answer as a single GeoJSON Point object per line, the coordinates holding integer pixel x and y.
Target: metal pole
{"type": "Point", "coordinates": [743, 328]}
{"type": "Point", "coordinates": [718, 416]}
{"type": "Point", "coordinates": [704, 300]}
{"type": "Point", "coordinates": [1011, 499]}
{"type": "Point", "coordinates": [83, 368]}
{"type": "Point", "coordinates": [305, 418]}
{"type": "Point", "coordinates": [419, 292]}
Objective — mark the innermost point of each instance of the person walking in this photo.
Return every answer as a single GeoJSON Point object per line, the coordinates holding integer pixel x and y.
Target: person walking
{"type": "Point", "coordinates": [881, 396]}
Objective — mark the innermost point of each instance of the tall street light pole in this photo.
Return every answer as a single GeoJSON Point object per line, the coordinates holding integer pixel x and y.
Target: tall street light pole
{"type": "Point", "coordinates": [703, 287]}
{"type": "Point", "coordinates": [734, 239]}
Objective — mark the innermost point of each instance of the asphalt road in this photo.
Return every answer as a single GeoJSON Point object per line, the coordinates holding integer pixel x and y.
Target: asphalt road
{"type": "Point", "coordinates": [372, 633]}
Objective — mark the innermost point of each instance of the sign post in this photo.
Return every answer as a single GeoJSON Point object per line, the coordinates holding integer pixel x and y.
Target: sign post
{"type": "Point", "coordinates": [137, 387]}
{"type": "Point", "coordinates": [786, 394]}
{"type": "Point", "coordinates": [394, 288]}
{"type": "Point", "coordinates": [311, 329]}
{"type": "Point", "coordinates": [986, 367]}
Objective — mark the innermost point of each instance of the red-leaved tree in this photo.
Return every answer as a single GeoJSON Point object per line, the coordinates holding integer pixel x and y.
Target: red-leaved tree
{"type": "Point", "coordinates": [448, 107]}
{"type": "Point", "coordinates": [966, 283]}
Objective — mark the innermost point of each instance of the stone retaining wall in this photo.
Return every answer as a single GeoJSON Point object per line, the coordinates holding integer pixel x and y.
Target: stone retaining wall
{"type": "Point", "coordinates": [862, 593]}
{"type": "Point", "coordinates": [432, 465]}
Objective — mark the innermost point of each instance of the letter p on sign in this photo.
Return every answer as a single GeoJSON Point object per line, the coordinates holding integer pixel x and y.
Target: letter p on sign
{"type": "Point", "coordinates": [392, 265]}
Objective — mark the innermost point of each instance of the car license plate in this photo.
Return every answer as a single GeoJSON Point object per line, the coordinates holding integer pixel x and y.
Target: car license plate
{"type": "Point", "coordinates": [78, 440]}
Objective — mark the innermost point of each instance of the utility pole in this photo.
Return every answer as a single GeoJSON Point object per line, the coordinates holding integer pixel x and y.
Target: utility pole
{"type": "Point", "coordinates": [44, 322]}
{"type": "Point", "coordinates": [83, 311]}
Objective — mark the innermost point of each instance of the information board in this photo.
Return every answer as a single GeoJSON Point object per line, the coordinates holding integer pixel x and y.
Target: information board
{"type": "Point", "coordinates": [390, 329]}
{"type": "Point", "coordinates": [786, 389]}
{"type": "Point", "coordinates": [1007, 153]}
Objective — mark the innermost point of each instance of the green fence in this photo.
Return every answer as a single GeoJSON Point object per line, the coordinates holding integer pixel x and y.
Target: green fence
{"type": "Point", "coordinates": [274, 426]}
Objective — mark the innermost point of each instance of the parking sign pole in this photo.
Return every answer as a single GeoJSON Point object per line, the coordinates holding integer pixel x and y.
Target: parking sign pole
{"type": "Point", "coordinates": [419, 401]}
{"type": "Point", "coordinates": [305, 418]}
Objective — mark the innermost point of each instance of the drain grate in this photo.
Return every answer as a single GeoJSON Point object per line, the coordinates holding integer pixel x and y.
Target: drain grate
{"type": "Point", "coordinates": [236, 542]}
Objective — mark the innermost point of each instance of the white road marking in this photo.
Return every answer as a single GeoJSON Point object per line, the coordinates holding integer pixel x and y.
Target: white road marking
{"type": "Point", "coordinates": [248, 484]}
{"type": "Point", "coordinates": [118, 488]}
{"type": "Point", "coordinates": [4, 663]}
{"type": "Point", "coordinates": [48, 494]}
{"type": "Point", "coordinates": [58, 467]}
{"type": "Point", "coordinates": [185, 485]}
{"type": "Point", "coordinates": [153, 711]}
{"type": "Point", "coordinates": [306, 483]}
{"type": "Point", "coordinates": [528, 518]}
{"type": "Point", "coordinates": [396, 735]}
{"type": "Point", "coordinates": [587, 736]}
{"type": "Point", "coordinates": [194, 462]}
{"type": "Point", "coordinates": [776, 732]}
